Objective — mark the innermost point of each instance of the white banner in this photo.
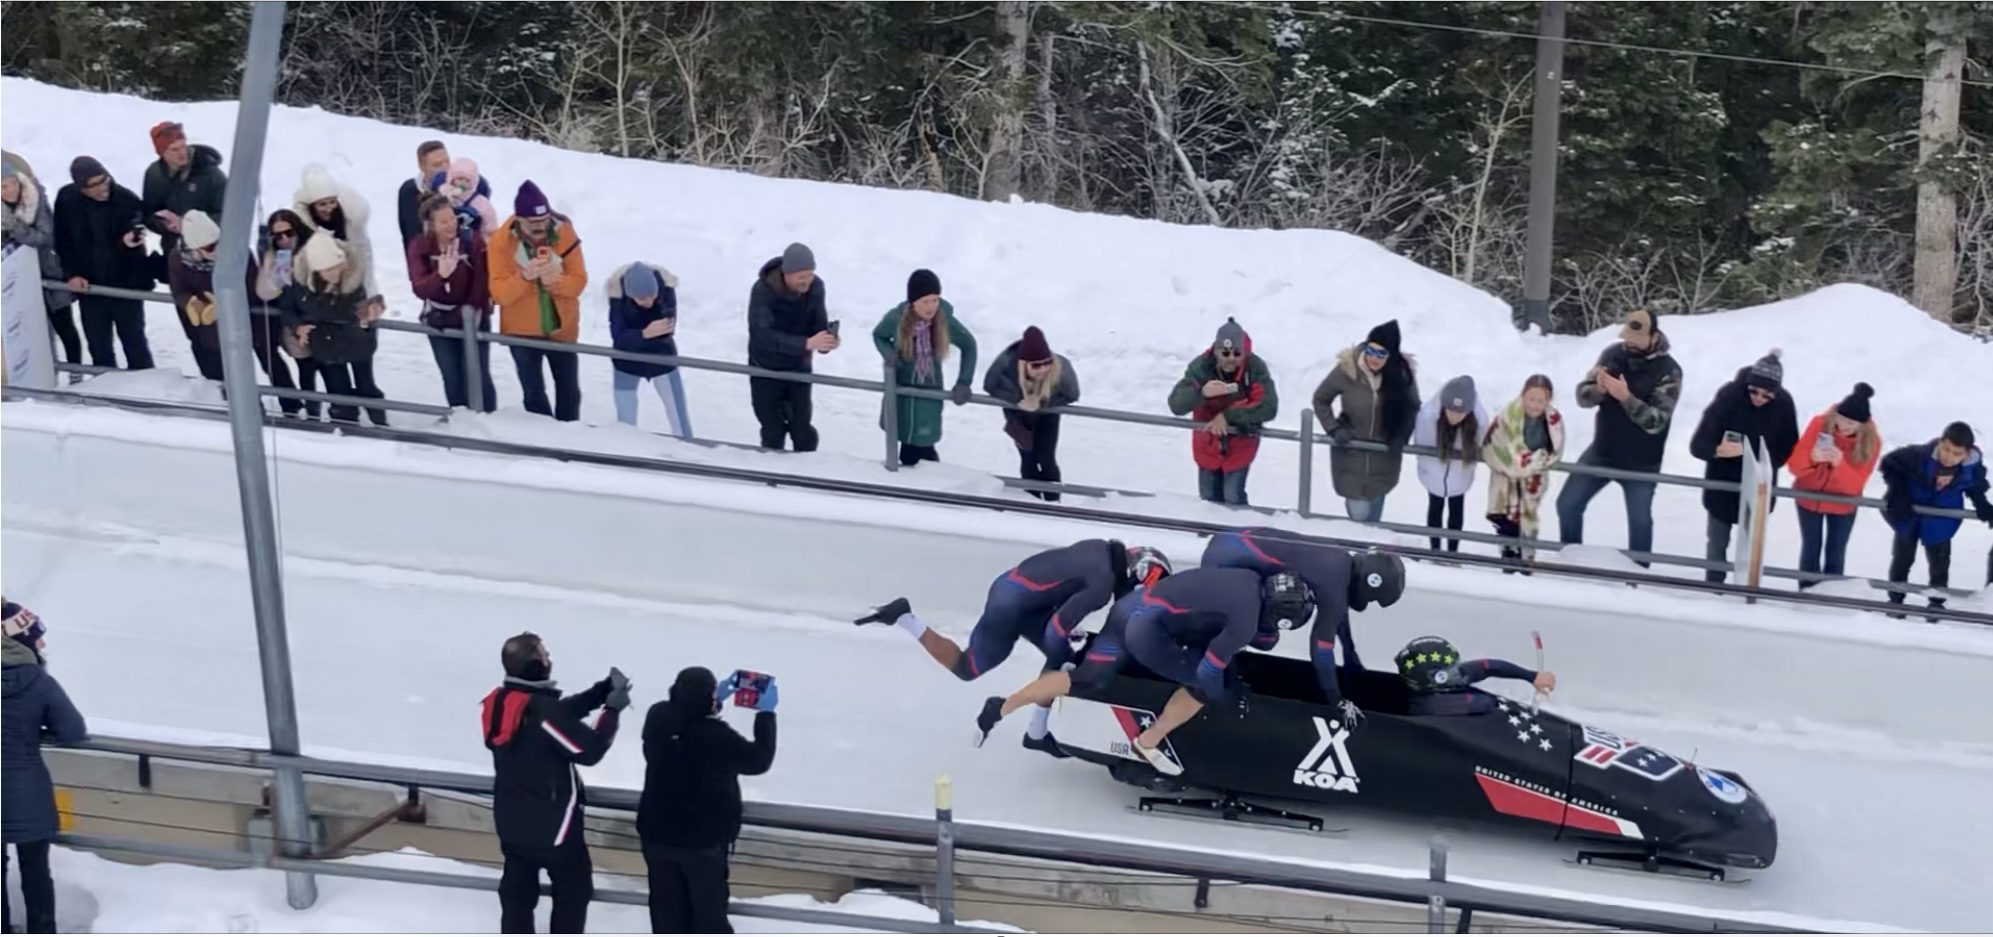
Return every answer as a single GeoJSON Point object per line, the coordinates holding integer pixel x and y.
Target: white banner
{"type": "Point", "coordinates": [30, 355]}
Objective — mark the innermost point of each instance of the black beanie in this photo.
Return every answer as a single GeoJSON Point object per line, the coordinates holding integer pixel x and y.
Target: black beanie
{"type": "Point", "coordinates": [1855, 406]}
{"type": "Point", "coordinates": [923, 283]}
{"type": "Point", "coordinates": [84, 168]}
{"type": "Point", "coordinates": [1386, 335]}
{"type": "Point", "coordinates": [692, 692]}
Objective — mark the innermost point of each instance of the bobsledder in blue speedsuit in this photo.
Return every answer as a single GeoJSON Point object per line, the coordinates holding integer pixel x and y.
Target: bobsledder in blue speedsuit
{"type": "Point", "coordinates": [1341, 582]}
{"type": "Point", "coordinates": [1039, 601]}
{"type": "Point", "coordinates": [1443, 684]}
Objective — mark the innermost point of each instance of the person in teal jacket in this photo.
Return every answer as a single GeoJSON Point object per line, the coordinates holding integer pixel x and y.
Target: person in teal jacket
{"type": "Point", "coordinates": [915, 337]}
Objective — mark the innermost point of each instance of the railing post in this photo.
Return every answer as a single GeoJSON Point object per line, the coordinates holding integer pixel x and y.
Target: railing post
{"type": "Point", "coordinates": [944, 850]}
{"type": "Point", "coordinates": [1305, 503]}
{"type": "Point", "coordinates": [889, 418]}
{"type": "Point", "coordinates": [473, 375]}
{"type": "Point", "coordinates": [1436, 902]}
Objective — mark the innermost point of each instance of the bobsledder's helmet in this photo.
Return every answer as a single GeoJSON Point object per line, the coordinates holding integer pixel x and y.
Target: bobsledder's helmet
{"type": "Point", "coordinates": [1147, 566]}
{"type": "Point", "coordinates": [1430, 665]}
{"type": "Point", "coordinates": [1375, 577]}
{"type": "Point", "coordinates": [1285, 601]}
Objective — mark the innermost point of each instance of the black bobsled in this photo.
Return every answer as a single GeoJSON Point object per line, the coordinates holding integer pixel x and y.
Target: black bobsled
{"type": "Point", "coordinates": [1530, 769]}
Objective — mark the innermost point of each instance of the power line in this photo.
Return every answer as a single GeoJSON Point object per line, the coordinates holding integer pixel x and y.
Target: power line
{"type": "Point", "coordinates": [1621, 46]}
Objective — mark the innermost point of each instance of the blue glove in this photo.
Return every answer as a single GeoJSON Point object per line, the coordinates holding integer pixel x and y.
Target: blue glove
{"type": "Point", "coordinates": [766, 704]}
{"type": "Point", "coordinates": [724, 690]}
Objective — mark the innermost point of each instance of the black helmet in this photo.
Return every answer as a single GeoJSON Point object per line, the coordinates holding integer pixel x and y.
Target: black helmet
{"type": "Point", "coordinates": [1429, 664]}
{"type": "Point", "coordinates": [1375, 577]}
{"type": "Point", "coordinates": [1147, 565]}
{"type": "Point", "coordinates": [1285, 601]}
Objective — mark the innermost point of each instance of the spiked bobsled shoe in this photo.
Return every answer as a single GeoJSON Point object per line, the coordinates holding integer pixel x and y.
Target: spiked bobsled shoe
{"type": "Point", "coordinates": [1047, 744]}
{"type": "Point", "coordinates": [987, 719]}
{"type": "Point", "coordinates": [887, 614]}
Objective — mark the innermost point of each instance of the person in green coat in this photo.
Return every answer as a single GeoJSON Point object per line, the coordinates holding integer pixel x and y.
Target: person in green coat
{"type": "Point", "coordinates": [909, 339]}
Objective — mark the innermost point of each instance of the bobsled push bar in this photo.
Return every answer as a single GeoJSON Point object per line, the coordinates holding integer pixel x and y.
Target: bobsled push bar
{"type": "Point", "coordinates": [1229, 806]}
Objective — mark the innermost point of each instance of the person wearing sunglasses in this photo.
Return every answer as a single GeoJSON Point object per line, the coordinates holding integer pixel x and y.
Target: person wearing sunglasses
{"type": "Point", "coordinates": [1229, 392]}
{"type": "Point", "coordinates": [1634, 386]}
{"type": "Point", "coordinates": [282, 239]}
{"type": "Point", "coordinates": [100, 238]}
{"type": "Point", "coordinates": [1750, 414]}
{"type": "Point", "coordinates": [1371, 395]}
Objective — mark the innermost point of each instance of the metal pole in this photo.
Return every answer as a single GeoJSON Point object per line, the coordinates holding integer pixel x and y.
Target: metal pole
{"type": "Point", "coordinates": [1543, 165]}
{"type": "Point", "coordinates": [1306, 501]}
{"type": "Point", "coordinates": [245, 416]}
{"type": "Point", "coordinates": [889, 418]}
{"type": "Point", "coordinates": [473, 374]}
{"type": "Point", "coordinates": [944, 850]}
{"type": "Point", "coordinates": [1436, 902]}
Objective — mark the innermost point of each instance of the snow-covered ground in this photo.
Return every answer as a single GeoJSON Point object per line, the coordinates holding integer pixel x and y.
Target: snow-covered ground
{"type": "Point", "coordinates": [98, 896]}
{"type": "Point", "coordinates": [406, 566]}
{"type": "Point", "coordinates": [1129, 301]}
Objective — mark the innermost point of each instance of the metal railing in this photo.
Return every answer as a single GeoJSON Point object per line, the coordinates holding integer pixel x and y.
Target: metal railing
{"type": "Point", "coordinates": [945, 833]}
{"type": "Point", "coordinates": [1307, 438]}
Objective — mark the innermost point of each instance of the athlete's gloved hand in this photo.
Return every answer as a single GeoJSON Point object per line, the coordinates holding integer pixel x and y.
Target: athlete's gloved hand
{"type": "Point", "coordinates": [961, 394]}
{"type": "Point", "coordinates": [1352, 716]}
{"type": "Point", "coordinates": [619, 690]}
{"type": "Point", "coordinates": [766, 703]}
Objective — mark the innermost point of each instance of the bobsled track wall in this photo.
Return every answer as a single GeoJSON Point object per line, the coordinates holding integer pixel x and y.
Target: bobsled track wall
{"type": "Point", "coordinates": [405, 551]}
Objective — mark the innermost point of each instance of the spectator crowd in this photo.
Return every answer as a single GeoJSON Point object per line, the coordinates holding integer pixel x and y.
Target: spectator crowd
{"type": "Point", "coordinates": [316, 300]}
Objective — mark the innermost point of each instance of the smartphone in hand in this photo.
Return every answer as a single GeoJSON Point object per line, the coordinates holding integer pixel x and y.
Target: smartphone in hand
{"type": "Point", "coordinates": [832, 328]}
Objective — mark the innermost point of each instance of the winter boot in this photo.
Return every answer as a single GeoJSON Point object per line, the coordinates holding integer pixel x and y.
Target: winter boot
{"type": "Point", "coordinates": [1047, 744]}
{"type": "Point", "coordinates": [987, 719]}
{"type": "Point", "coordinates": [1936, 605]}
{"type": "Point", "coordinates": [887, 614]}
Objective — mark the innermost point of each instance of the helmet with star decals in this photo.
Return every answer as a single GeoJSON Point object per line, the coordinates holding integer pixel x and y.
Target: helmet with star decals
{"type": "Point", "coordinates": [1430, 665]}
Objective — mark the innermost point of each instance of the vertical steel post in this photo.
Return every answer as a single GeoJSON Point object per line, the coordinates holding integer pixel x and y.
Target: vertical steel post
{"type": "Point", "coordinates": [245, 417]}
{"type": "Point", "coordinates": [1306, 502]}
{"type": "Point", "coordinates": [1436, 902]}
{"type": "Point", "coordinates": [1543, 165]}
{"type": "Point", "coordinates": [889, 419]}
{"type": "Point", "coordinates": [944, 850]}
{"type": "Point", "coordinates": [473, 374]}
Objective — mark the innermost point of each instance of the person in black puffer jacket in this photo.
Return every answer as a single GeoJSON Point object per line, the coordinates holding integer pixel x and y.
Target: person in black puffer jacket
{"type": "Point", "coordinates": [690, 812]}
{"type": "Point", "coordinates": [537, 738]}
{"type": "Point", "coordinates": [787, 327]}
{"type": "Point", "coordinates": [328, 309]}
{"type": "Point", "coordinates": [100, 241]}
{"type": "Point", "coordinates": [1752, 410]}
{"type": "Point", "coordinates": [32, 703]}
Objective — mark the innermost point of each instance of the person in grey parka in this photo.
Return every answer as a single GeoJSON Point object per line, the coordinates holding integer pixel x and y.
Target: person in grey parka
{"type": "Point", "coordinates": [31, 701]}
{"type": "Point", "coordinates": [1379, 396]}
{"type": "Point", "coordinates": [29, 221]}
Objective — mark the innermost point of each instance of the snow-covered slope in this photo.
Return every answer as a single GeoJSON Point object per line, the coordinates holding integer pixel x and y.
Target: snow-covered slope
{"type": "Point", "coordinates": [1128, 300]}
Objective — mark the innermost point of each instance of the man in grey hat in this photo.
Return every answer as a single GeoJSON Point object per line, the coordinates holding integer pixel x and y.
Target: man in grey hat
{"type": "Point", "coordinates": [787, 328]}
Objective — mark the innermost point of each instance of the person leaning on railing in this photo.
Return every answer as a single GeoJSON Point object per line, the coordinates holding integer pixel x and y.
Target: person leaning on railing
{"type": "Point", "coordinates": [331, 312]}
{"type": "Point", "coordinates": [1943, 473]}
{"type": "Point", "coordinates": [450, 273]}
{"type": "Point", "coordinates": [100, 237]}
{"type": "Point", "coordinates": [1030, 379]}
{"type": "Point", "coordinates": [538, 273]}
{"type": "Point", "coordinates": [1229, 391]}
{"type": "Point", "coordinates": [190, 275]}
{"type": "Point", "coordinates": [1835, 455]}
{"type": "Point", "coordinates": [345, 355]}
{"type": "Point", "coordinates": [914, 338]}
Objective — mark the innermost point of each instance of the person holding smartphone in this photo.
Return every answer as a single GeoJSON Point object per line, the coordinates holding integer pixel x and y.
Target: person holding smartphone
{"type": "Point", "coordinates": [787, 327]}
{"type": "Point", "coordinates": [1753, 410]}
{"type": "Point", "coordinates": [538, 274]}
{"type": "Point", "coordinates": [1835, 455]}
{"type": "Point", "coordinates": [690, 811]}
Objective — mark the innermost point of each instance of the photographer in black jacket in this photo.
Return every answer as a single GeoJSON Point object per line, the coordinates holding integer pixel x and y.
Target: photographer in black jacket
{"type": "Point", "coordinates": [536, 739]}
{"type": "Point", "coordinates": [690, 812]}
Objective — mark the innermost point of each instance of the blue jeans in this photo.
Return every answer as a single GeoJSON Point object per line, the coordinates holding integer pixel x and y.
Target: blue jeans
{"type": "Point", "coordinates": [670, 391]}
{"type": "Point", "coordinates": [1222, 487]}
{"type": "Point", "coordinates": [1366, 512]}
{"type": "Point", "coordinates": [1823, 543]}
{"type": "Point", "coordinates": [1580, 491]}
{"type": "Point", "coordinates": [449, 355]}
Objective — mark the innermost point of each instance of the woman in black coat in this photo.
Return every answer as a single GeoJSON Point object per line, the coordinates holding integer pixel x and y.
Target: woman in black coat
{"type": "Point", "coordinates": [31, 703]}
{"type": "Point", "coordinates": [328, 310]}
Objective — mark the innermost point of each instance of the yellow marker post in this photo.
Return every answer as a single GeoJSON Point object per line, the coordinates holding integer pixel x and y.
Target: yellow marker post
{"type": "Point", "coordinates": [944, 850]}
{"type": "Point", "coordinates": [65, 815]}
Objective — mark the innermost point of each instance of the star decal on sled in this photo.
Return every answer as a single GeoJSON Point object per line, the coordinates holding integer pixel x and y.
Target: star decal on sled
{"type": "Point", "coordinates": [1544, 744]}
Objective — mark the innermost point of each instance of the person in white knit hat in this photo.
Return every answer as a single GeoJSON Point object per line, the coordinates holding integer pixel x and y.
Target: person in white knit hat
{"type": "Point", "coordinates": [190, 272]}
{"type": "Point", "coordinates": [331, 315]}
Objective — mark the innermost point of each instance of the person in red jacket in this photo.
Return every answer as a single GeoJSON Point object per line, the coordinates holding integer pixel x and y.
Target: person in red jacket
{"type": "Point", "coordinates": [1835, 455]}
{"type": "Point", "coordinates": [1229, 392]}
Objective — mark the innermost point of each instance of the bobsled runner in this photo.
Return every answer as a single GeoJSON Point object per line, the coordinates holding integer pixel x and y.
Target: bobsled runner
{"type": "Point", "coordinates": [1634, 805]}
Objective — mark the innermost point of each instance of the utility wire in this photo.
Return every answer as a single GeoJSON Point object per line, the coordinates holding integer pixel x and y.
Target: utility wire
{"type": "Point", "coordinates": [1621, 46]}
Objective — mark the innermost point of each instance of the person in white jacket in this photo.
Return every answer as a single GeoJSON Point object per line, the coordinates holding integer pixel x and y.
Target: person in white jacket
{"type": "Point", "coordinates": [1454, 423]}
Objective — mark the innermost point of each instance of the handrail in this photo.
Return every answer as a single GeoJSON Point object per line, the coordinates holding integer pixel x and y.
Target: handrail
{"type": "Point", "coordinates": [1004, 840]}
{"type": "Point", "coordinates": [1118, 416]}
{"type": "Point", "coordinates": [1033, 507]}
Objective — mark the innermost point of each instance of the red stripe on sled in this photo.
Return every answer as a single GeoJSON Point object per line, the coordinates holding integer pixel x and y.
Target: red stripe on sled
{"type": "Point", "coordinates": [1515, 800]}
{"type": "Point", "coordinates": [1127, 720]}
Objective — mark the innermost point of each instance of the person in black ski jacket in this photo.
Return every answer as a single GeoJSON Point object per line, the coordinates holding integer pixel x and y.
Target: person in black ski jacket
{"type": "Point", "coordinates": [100, 239]}
{"type": "Point", "coordinates": [690, 811]}
{"type": "Point", "coordinates": [537, 738]}
{"type": "Point", "coordinates": [183, 179]}
{"type": "Point", "coordinates": [32, 704]}
{"type": "Point", "coordinates": [787, 328]}
{"type": "Point", "coordinates": [1753, 409]}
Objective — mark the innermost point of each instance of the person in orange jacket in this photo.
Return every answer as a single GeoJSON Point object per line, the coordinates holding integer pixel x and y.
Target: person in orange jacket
{"type": "Point", "coordinates": [1834, 455]}
{"type": "Point", "coordinates": [537, 275]}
